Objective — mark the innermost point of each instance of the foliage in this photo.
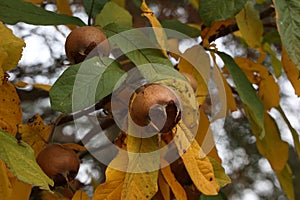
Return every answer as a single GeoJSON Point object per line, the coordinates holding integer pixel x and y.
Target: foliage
{"type": "Point", "coordinates": [141, 168]}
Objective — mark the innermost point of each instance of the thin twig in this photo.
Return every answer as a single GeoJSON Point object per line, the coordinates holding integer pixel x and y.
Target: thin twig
{"type": "Point", "coordinates": [90, 14]}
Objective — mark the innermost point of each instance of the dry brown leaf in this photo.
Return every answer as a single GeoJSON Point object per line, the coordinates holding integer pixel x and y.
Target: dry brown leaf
{"type": "Point", "coordinates": [35, 133]}
{"type": "Point", "coordinates": [75, 147]}
{"type": "Point", "coordinates": [11, 112]}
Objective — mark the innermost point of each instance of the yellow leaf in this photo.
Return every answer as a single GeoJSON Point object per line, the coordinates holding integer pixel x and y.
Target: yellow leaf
{"type": "Point", "coordinates": [164, 187]}
{"type": "Point", "coordinates": [291, 70]}
{"type": "Point", "coordinates": [3, 58]}
{"type": "Point", "coordinates": [81, 195]}
{"type": "Point", "coordinates": [195, 161]}
{"type": "Point", "coordinates": [271, 146]}
{"type": "Point", "coordinates": [74, 146]}
{"type": "Point", "coordinates": [12, 45]}
{"type": "Point", "coordinates": [112, 188]}
{"type": "Point", "coordinates": [5, 186]}
{"type": "Point", "coordinates": [21, 84]}
{"type": "Point", "coordinates": [215, 27]}
{"type": "Point", "coordinates": [35, 133]}
{"type": "Point", "coordinates": [142, 171]}
{"type": "Point", "coordinates": [195, 61]}
{"type": "Point", "coordinates": [221, 177]}
{"type": "Point", "coordinates": [269, 92]}
{"type": "Point", "coordinates": [11, 113]}
{"type": "Point", "coordinates": [205, 138]}
{"type": "Point", "coordinates": [42, 86]}
{"type": "Point", "coordinates": [21, 190]}
{"type": "Point", "coordinates": [63, 7]}
{"type": "Point", "coordinates": [250, 25]}
{"type": "Point", "coordinates": [175, 186]}
{"type": "Point", "coordinates": [158, 30]}
{"type": "Point", "coordinates": [285, 178]}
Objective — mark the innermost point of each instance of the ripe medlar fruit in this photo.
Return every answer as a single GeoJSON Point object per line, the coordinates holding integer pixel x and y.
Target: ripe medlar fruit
{"type": "Point", "coordinates": [59, 163]}
{"type": "Point", "coordinates": [156, 104]}
{"type": "Point", "coordinates": [81, 41]}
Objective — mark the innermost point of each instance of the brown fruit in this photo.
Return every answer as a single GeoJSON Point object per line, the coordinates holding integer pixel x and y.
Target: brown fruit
{"type": "Point", "coordinates": [58, 162]}
{"type": "Point", "coordinates": [155, 103]}
{"type": "Point", "coordinates": [81, 41]}
{"type": "Point", "coordinates": [191, 79]}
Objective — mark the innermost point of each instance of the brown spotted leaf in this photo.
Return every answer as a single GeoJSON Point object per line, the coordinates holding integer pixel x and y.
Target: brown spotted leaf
{"type": "Point", "coordinates": [35, 133]}
{"type": "Point", "coordinates": [10, 110]}
{"type": "Point", "coordinates": [196, 162]}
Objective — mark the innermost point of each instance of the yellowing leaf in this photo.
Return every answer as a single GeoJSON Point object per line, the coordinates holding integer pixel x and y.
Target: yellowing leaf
{"type": "Point", "coordinates": [250, 25]}
{"type": "Point", "coordinates": [276, 64]}
{"type": "Point", "coordinates": [19, 157]}
{"type": "Point", "coordinates": [271, 146]}
{"type": "Point", "coordinates": [36, 133]}
{"type": "Point", "coordinates": [63, 7]}
{"type": "Point", "coordinates": [158, 30]}
{"type": "Point", "coordinates": [164, 187]}
{"type": "Point", "coordinates": [80, 195]}
{"type": "Point", "coordinates": [175, 186]}
{"type": "Point", "coordinates": [20, 84]}
{"type": "Point", "coordinates": [11, 113]}
{"type": "Point", "coordinates": [5, 186]}
{"type": "Point", "coordinates": [285, 178]}
{"type": "Point", "coordinates": [291, 70]}
{"type": "Point", "coordinates": [195, 161]}
{"type": "Point", "coordinates": [12, 45]}
{"type": "Point", "coordinates": [173, 48]}
{"type": "Point", "coordinates": [195, 61]}
{"type": "Point", "coordinates": [221, 177]}
{"type": "Point", "coordinates": [121, 3]}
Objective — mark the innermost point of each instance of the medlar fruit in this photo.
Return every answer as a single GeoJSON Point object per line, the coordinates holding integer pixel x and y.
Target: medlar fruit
{"type": "Point", "coordinates": [156, 104]}
{"type": "Point", "coordinates": [81, 41]}
{"type": "Point", "coordinates": [59, 163]}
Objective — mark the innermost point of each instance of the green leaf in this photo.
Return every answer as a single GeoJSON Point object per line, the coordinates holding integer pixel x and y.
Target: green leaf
{"type": "Point", "coordinates": [181, 27]}
{"type": "Point", "coordinates": [136, 46]}
{"type": "Point", "coordinates": [272, 37]}
{"type": "Point", "coordinates": [14, 11]}
{"type": "Point", "coordinates": [84, 84]}
{"type": "Point", "coordinates": [113, 13]}
{"type": "Point", "coordinates": [220, 196]}
{"type": "Point", "coordinates": [215, 10]}
{"type": "Point", "coordinates": [93, 6]}
{"type": "Point", "coordinates": [19, 157]}
{"type": "Point", "coordinates": [288, 23]}
{"type": "Point", "coordinates": [247, 93]}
